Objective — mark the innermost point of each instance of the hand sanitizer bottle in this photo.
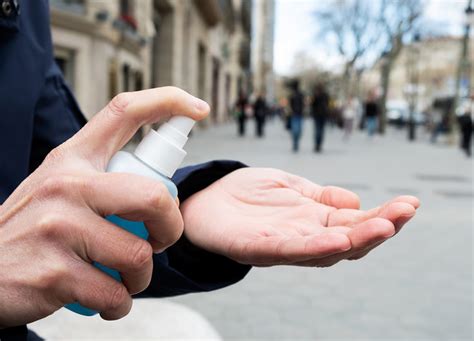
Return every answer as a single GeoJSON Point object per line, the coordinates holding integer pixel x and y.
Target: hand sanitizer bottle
{"type": "Point", "coordinates": [157, 156]}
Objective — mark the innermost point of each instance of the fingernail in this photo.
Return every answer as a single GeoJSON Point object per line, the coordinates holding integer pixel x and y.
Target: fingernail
{"type": "Point", "coordinates": [347, 248]}
{"type": "Point", "coordinates": [390, 233]}
{"type": "Point", "coordinates": [201, 105]}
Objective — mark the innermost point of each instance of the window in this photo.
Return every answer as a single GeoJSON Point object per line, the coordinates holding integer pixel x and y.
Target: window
{"type": "Point", "coordinates": [65, 60]}
{"type": "Point", "coordinates": [215, 88]}
{"type": "Point", "coordinates": [126, 78]}
{"type": "Point", "coordinates": [201, 71]}
{"type": "Point", "coordinates": [126, 7]}
{"type": "Point", "coordinates": [113, 78]}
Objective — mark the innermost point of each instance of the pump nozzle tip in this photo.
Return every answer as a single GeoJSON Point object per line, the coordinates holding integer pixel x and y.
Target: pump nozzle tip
{"type": "Point", "coordinates": [182, 123]}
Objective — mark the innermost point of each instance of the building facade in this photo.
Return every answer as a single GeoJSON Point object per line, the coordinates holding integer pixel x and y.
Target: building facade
{"type": "Point", "coordinates": [203, 47]}
{"type": "Point", "coordinates": [103, 47]}
{"type": "Point", "coordinates": [263, 24]}
{"type": "Point", "coordinates": [107, 47]}
{"type": "Point", "coordinates": [434, 60]}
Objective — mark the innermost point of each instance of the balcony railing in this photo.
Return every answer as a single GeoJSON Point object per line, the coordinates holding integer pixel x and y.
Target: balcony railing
{"type": "Point", "coordinates": [228, 14]}
{"type": "Point", "coordinates": [74, 6]}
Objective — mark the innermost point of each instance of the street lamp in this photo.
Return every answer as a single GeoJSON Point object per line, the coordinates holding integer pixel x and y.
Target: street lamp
{"type": "Point", "coordinates": [412, 88]}
{"type": "Point", "coordinates": [385, 61]}
{"type": "Point", "coordinates": [469, 22]}
{"type": "Point", "coordinates": [463, 68]}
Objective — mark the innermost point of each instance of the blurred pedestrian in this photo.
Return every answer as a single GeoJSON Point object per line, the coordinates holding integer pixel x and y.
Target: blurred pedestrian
{"type": "Point", "coordinates": [296, 121]}
{"type": "Point", "coordinates": [320, 113]}
{"type": "Point", "coordinates": [241, 112]}
{"type": "Point", "coordinates": [349, 114]}
{"type": "Point", "coordinates": [371, 114]}
{"type": "Point", "coordinates": [465, 124]}
{"type": "Point", "coordinates": [260, 110]}
{"type": "Point", "coordinates": [437, 124]}
{"type": "Point", "coordinates": [284, 111]}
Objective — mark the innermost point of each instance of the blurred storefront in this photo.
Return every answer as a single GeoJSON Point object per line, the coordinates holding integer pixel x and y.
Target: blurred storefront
{"type": "Point", "coordinates": [436, 63]}
{"type": "Point", "coordinates": [106, 47]}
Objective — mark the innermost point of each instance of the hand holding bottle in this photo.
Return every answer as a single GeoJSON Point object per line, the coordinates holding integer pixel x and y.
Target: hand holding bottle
{"type": "Point", "coordinates": [52, 225]}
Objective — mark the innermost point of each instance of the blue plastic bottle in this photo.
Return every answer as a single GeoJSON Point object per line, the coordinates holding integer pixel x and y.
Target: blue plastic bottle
{"type": "Point", "coordinates": [157, 156]}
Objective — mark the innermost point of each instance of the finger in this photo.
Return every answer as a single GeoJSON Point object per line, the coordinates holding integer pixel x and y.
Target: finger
{"type": "Point", "coordinates": [114, 125]}
{"type": "Point", "coordinates": [119, 250]}
{"type": "Point", "coordinates": [399, 213]}
{"type": "Point", "coordinates": [362, 236]}
{"type": "Point", "coordinates": [392, 211]}
{"type": "Point", "coordinates": [283, 250]}
{"type": "Point", "coordinates": [95, 290]}
{"type": "Point", "coordinates": [338, 197]}
{"type": "Point", "coordinates": [138, 198]}
{"type": "Point", "coordinates": [409, 199]}
{"type": "Point", "coordinates": [370, 232]}
{"type": "Point", "coordinates": [330, 195]}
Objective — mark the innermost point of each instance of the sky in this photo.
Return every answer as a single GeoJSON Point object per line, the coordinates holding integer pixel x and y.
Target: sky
{"type": "Point", "coordinates": [296, 30]}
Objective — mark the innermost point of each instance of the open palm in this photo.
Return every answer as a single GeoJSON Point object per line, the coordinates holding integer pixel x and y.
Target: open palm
{"type": "Point", "coordinates": [266, 217]}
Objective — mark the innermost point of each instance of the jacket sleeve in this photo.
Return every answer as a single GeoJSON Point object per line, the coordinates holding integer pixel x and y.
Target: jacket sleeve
{"type": "Point", "coordinates": [185, 268]}
{"type": "Point", "coordinates": [57, 116]}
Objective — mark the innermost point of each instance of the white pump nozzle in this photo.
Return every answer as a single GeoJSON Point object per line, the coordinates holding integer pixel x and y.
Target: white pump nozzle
{"type": "Point", "coordinates": [182, 123]}
{"type": "Point", "coordinates": [162, 150]}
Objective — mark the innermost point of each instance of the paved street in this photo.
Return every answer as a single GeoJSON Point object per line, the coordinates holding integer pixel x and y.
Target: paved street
{"type": "Point", "coordinates": [418, 285]}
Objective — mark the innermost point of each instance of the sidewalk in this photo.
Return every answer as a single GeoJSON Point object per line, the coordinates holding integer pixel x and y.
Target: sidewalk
{"type": "Point", "coordinates": [149, 319]}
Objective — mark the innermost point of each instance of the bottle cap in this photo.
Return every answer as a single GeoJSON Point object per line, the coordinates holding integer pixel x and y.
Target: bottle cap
{"type": "Point", "coordinates": [162, 149]}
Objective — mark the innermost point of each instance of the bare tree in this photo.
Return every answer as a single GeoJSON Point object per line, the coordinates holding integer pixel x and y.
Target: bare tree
{"type": "Point", "coordinates": [398, 19]}
{"type": "Point", "coordinates": [351, 24]}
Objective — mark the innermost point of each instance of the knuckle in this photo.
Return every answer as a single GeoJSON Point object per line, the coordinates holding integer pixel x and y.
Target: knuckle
{"type": "Point", "coordinates": [51, 226]}
{"type": "Point", "coordinates": [279, 250]}
{"type": "Point", "coordinates": [177, 232]}
{"type": "Point", "coordinates": [141, 254]}
{"type": "Point", "coordinates": [174, 94]}
{"type": "Point", "coordinates": [57, 185]}
{"type": "Point", "coordinates": [55, 155]}
{"type": "Point", "coordinates": [50, 187]}
{"type": "Point", "coordinates": [172, 234]}
{"type": "Point", "coordinates": [119, 103]}
{"type": "Point", "coordinates": [115, 297]}
{"type": "Point", "coordinates": [51, 278]}
{"type": "Point", "coordinates": [156, 196]}
{"type": "Point", "coordinates": [173, 89]}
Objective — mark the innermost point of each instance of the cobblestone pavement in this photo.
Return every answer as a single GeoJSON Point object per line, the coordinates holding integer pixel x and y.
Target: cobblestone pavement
{"type": "Point", "coordinates": [417, 286]}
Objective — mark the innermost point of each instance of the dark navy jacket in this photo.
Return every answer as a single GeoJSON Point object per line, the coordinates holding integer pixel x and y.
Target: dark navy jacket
{"type": "Point", "coordinates": [38, 112]}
